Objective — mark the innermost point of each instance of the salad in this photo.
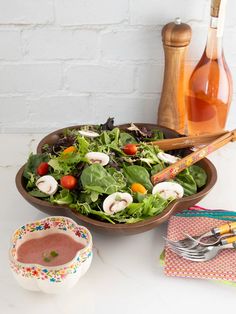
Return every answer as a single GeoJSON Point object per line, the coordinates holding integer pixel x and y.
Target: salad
{"type": "Point", "coordinates": [105, 173]}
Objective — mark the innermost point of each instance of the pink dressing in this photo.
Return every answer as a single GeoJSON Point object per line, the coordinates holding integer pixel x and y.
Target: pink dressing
{"type": "Point", "coordinates": [51, 250]}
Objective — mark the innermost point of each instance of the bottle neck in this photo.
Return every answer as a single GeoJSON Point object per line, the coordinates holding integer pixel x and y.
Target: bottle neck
{"type": "Point", "coordinates": [214, 46]}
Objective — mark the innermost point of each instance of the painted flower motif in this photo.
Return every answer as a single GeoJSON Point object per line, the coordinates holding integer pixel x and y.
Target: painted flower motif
{"type": "Point", "coordinates": [35, 273]}
{"type": "Point", "coordinates": [195, 158]}
{"type": "Point", "coordinates": [44, 273]}
{"type": "Point", "coordinates": [210, 149]}
{"type": "Point", "coordinates": [176, 170]}
{"type": "Point", "coordinates": [78, 233]}
{"type": "Point", "coordinates": [189, 162]}
{"type": "Point", "coordinates": [182, 166]}
{"type": "Point", "coordinates": [39, 227]}
{"type": "Point", "coordinates": [46, 226]}
{"type": "Point", "coordinates": [202, 154]}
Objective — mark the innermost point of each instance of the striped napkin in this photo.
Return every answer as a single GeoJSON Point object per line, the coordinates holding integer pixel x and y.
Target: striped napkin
{"type": "Point", "coordinates": [222, 267]}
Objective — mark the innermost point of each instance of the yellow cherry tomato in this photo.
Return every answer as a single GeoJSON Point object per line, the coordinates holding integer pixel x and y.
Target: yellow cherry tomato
{"type": "Point", "coordinates": [70, 149]}
{"type": "Point", "coordinates": [137, 187]}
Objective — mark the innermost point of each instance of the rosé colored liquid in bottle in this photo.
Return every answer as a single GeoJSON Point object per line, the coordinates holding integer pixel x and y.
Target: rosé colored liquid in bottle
{"type": "Point", "coordinates": [209, 91]}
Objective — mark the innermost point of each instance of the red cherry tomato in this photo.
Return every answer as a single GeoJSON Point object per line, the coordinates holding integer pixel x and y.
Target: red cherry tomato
{"type": "Point", "coordinates": [42, 168]}
{"type": "Point", "coordinates": [68, 182]}
{"type": "Point", "coordinates": [130, 149]}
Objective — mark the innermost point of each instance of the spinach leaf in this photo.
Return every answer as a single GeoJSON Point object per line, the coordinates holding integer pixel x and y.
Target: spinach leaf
{"type": "Point", "coordinates": [96, 178]}
{"type": "Point", "coordinates": [199, 175]}
{"type": "Point", "coordinates": [37, 193]}
{"type": "Point", "coordinates": [138, 174]}
{"type": "Point", "coordinates": [126, 138]}
{"type": "Point", "coordinates": [33, 163]}
{"type": "Point", "coordinates": [185, 179]}
{"type": "Point", "coordinates": [157, 168]}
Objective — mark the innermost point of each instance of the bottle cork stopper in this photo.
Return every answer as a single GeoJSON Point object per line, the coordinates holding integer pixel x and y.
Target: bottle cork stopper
{"type": "Point", "coordinates": [176, 34]}
{"type": "Point", "coordinates": [215, 7]}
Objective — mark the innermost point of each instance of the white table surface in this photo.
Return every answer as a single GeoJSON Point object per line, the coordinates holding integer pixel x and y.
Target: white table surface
{"type": "Point", "coordinates": [125, 276]}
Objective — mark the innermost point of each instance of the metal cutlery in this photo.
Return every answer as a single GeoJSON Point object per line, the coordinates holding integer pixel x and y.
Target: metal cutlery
{"type": "Point", "coordinates": [211, 237]}
{"type": "Point", "coordinates": [204, 253]}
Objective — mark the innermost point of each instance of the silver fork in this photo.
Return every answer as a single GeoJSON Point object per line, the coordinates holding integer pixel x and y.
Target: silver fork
{"type": "Point", "coordinates": [191, 242]}
{"type": "Point", "coordinates": [204, 253]}
{"type": "Point", "coordinates": [212, 240]}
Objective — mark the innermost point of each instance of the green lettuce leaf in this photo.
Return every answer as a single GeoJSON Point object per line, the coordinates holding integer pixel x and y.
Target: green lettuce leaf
{"type": "Point", "coordinates": [96, 178]}
{"type": "Point", "coordinates": [185, 179]}
{"type": "Point", "coordinates": [138, 174]}
{"type": "Point", "coordinates": [63, 198]}
{"type": "Point", "coordinates": [199, 175]}
{"type": "Point", "coordinates": [33, 163]}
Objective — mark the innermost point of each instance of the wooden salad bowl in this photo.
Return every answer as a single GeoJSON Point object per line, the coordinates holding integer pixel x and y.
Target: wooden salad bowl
{"type": "Point", "coordinates": [125, 229]}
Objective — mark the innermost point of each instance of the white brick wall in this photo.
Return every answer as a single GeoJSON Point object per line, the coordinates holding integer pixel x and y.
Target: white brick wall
{"type": "Point", "coordinates": [30, 78]}
{"type": "Point", "coordinates": [64, 62]}
{"type": "Point", "coordinates": [100, 79]}
{"type": "Point", "coordinates": [131, 45]}
{"type": "Point", "coordinates": [82, 12]}
{"type": "Point", "coordinates": [26, 12]}
{"type": "Point", "coordinates": [62, 44]}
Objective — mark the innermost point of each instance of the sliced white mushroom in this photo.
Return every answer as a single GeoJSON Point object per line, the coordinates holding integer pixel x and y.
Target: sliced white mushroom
{"type": "Point", "coordinates": [168, 189]}
{"type": "Point", "coordinates": [47, 184]}
{"type": "Point", "coordinates": [169, 159]}
{"type": "Point", "coordinates": [98, 158]}
{"type": "Point", "coordinates": [88, 133]}
{"type": "Point", "coordinates": [116, 202]}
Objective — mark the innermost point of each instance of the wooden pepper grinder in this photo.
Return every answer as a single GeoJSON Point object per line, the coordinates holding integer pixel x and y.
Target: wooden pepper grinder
{"type": "Point", "coordinates": [176, 37]}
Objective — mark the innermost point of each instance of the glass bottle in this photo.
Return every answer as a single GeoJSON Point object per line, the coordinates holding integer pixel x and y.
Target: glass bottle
{"type": "Point", "coordinates": [209, 91]}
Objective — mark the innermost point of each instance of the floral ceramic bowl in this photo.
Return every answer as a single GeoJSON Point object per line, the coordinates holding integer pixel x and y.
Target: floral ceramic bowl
{"type": "Point", "coordinates": [51, 279]}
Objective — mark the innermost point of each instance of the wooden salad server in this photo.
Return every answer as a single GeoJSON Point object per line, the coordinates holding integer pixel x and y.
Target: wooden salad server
{"type": "Point", "coordinates": [186, 141]}
{"type": "Point", "coordinates": [171, 171]}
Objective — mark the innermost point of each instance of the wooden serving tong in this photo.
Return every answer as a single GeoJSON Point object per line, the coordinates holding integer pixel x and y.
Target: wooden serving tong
{"type": "Point", "coordinates": [170, 172]}
{"type": "Point", "coordinates": [186, 141]}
